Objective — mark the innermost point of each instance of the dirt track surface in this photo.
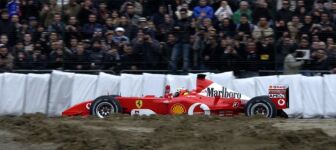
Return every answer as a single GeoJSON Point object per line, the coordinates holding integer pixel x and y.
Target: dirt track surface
{"type": "Point", "coordinates": [165, 132]}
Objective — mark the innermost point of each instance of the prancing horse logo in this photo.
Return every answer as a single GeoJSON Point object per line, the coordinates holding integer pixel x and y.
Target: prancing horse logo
{"type": "Point", "coordinates": [138, 103]}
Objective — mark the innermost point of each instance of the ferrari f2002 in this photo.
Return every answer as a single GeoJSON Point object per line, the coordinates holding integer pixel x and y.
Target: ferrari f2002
{"type": "Point", "coordinates": [208, 98]}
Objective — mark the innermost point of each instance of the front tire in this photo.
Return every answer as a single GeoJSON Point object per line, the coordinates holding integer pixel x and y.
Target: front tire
{"type": "Point", "coordinates": [261, 105]}
{"type": "Point", "coordinates": [104, 106]}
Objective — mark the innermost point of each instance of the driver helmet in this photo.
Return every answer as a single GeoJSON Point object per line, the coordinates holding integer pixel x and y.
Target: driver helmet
{"type": "Point", "coordinates": [183, 91]}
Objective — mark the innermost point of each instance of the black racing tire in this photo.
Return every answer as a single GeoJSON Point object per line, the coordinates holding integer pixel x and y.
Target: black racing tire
{"type": "Point", "coordinates": [260, 105]}
{"type": "Point", "coordinates": [104, 106]}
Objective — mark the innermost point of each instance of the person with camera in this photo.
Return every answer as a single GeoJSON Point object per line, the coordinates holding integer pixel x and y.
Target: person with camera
{"type": "Point", "coordinates": [148, 47]}
{"type": "Point", "coordinates": [230, 58]}
{"type": "Point", "coordinates": [291, 64]}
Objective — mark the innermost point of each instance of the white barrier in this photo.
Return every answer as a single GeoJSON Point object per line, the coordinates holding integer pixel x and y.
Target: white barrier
{"type": "Point", "coordinates": [225, 79]}
{"type": "Point", "coordinates": [60, 92]}
{"type": "Point", "coordinates": [131, 85]}
{"type": "Point", "coordinates": [153, 84]}
{"type": "Point", "coordinates": [310, 97]}
{"type": "Point", "coordinates": [245, 86]}
{"type": "Point", "coordinates": [329, 105]}
{"type": "Point", "coordinates": [107, 85]}
{"type": "Point", "coordinates": [12, 94]}
{"type": "Point", "coordinates": [178, 81]}
{"type": "Point", "coordinates": [83, 88]}
{"type": "Point", "coordinates": [37, 90]}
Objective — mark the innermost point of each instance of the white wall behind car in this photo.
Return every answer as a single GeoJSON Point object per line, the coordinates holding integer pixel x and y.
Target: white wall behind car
{"type": "Point", "coordinates": [310, 97]}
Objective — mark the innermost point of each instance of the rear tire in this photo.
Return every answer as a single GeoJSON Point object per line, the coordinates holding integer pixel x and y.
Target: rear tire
{"type": "Point", "coordinates": [260, 105]}
{"type": "Point", "coordinates": [104, 106]}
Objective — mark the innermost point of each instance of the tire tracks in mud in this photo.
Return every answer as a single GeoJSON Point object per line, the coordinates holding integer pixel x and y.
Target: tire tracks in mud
{"type": "Point", "coordinates": [163, 132]}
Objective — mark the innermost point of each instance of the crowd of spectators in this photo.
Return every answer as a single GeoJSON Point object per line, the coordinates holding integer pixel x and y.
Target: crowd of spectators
{"type": "Point", "coordinates": [249, 35]}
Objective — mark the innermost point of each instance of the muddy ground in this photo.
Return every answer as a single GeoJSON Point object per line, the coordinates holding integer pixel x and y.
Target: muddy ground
{"type": "Point", "coordinates": [165, 132]}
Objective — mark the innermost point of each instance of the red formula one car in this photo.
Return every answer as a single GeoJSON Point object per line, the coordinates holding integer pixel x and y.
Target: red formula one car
{"type": "Point", "coordinates": [209, 98]}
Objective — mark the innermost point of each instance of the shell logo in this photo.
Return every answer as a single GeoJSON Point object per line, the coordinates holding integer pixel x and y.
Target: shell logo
{"type": "Point", "coordinates": [177, 109]}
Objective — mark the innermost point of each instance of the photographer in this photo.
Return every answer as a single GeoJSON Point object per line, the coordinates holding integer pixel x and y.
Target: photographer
{"type": "Point", "coordinates": [291, 64]}
{"type": "Point", "coordinates": [148, 47]}
{"type": "Point", "coordinates": [230, 58]}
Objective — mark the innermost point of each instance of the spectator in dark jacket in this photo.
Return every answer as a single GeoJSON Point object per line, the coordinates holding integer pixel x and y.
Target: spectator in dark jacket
{"type": "Point", "coordinates": [166, 50]}
{"type": "Point", "coordinates": [57, 25]}
{"type": "Point", "coordinates": [72, 28]}
{"type": "Point", "coordinates": [245, 26]}
{"type": "Point", "coordinates": [159, 17]}
{"type": "Point", "coordinates": [261, 10]}
{"type": "Point", "coordinates": [86, 10]}
{"type": "Point", "coordinates": [284, 13]}
{"type": "Point", "coordinates": [6, 59]}
{"type": "Point", "coordinates": [29, 9]}
{"type": "Point", "coordinates": [251, 60]}
{"type": "Point", "coordinates": [58, 57]}
{"type": "Point", "coordinates": [80, 58]}
{"type": "Point", "coordinates": [38, 59]}
{"type": "Point", "coordinates": [266, 53]}
{"type": "Point", "coordinates": [130, 29]}
{"type": "Point", "coordinates": [131, 15]}
{"type": "Point", "coordinates": [111, 59]}
{"type": "Point", "coordinates": [21, 61]}
{"type": "Point", "coordinates": [7, 27]}
{"type": "Point", "coordinates": [210, 54]}
{"type": "Point", "coordinates": [227, 28]}
{"type": "Point", "coordinates": [129, 59]}
{"type": "Point", "coordinates": [90, 27]}
{"type": "Point", "coordinates": [96, 55]}
{"type": "Point", "coordinates": [230, 59]}
{"type": "Point", "coordinates": [319, 60]}
{"type": "Point", "coordinates": [182, 46]}
{"type": "Point", "coordinates": [148, 47]}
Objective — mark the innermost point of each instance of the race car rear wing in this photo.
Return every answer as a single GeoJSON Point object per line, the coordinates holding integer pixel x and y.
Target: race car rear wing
{"type": "Point", "coordinates": [279, 95]}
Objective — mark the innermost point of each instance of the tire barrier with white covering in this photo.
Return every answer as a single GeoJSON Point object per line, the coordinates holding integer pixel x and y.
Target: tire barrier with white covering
{"type": "Point", "coordinates": [310, 97]}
